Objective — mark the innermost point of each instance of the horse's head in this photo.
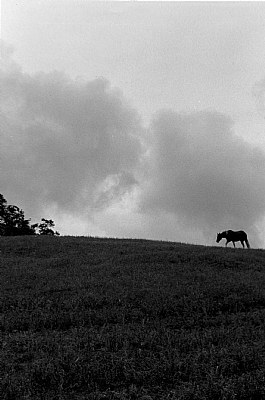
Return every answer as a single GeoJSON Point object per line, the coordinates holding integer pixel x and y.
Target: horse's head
{"type": "Point", "coordinates": [219, 237]}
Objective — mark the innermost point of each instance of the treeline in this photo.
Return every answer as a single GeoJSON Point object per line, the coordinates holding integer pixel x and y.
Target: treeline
{"type": "Point", "coordinates": [14, 223]}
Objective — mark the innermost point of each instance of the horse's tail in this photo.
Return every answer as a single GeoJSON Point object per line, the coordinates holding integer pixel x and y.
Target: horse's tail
{"type": "Point", "coordinates": [247, 243]}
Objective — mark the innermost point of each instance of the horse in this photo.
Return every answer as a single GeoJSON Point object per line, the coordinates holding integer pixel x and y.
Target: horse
{"type": "Point", "coordinates": [232, 236]}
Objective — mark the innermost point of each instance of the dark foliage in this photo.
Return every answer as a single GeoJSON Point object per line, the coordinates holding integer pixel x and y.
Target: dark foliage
{"type": "Point", "coordinates": [13, 222]}
{"type": "Point", "coordinates": [45, 227]}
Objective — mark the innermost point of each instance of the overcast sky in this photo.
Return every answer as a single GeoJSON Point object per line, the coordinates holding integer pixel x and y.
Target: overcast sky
{"type": "Point", "coordinates": [136, 119]}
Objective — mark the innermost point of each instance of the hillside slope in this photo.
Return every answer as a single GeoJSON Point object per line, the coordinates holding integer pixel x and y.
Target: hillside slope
{"type": "Point", "coordinates": [89, 318]}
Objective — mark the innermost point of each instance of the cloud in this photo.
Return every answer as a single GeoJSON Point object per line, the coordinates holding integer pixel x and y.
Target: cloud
{"type": "Point", "coordinates": [258, 92]}
{"type": "Point", "coordinates": [77, 149]}
{"type": "Point", "coordinates": [204, 174]}
{"type": "Point", "coordinates": [66, 143]}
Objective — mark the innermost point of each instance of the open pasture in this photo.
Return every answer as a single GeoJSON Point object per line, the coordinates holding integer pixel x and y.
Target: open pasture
{"type": "Point", "coordinates": [89, 318]}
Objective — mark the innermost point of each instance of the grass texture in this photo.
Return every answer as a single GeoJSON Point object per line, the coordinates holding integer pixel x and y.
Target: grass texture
{"type": "Point", "coordinates": [89, 318]}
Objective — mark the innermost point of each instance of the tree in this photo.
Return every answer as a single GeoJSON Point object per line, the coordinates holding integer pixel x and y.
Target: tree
{"type": "Point", "coordinates": [45, 228]}
{"type": "Point", "coordinates": [2, 214]}
{"type": "Point", "coordinates": [13, 222]}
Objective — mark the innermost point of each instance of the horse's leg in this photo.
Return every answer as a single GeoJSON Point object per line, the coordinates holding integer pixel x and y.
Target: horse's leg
{"type": "Point", "coordinates": [242, 242]}
{"type": "Point", "coordinates": [234, 244]}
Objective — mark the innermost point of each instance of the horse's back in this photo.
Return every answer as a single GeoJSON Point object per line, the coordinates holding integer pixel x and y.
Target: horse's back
{"type": "Point", "coordinates": [243, 233]}
{"type": "Point", "coordinates": [237, 235]}
{"type": "Point", "coordinates": [230, 231]}
{"type": "Point", "coordinates": [236, 232]}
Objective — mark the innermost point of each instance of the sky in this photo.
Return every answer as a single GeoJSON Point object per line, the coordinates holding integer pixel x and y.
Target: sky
{"type": "Point", "coordinates": [135, 119]}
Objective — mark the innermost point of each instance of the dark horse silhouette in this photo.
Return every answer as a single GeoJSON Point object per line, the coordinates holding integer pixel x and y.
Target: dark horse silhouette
{"type": "Point", "coordinates": [231, 236]}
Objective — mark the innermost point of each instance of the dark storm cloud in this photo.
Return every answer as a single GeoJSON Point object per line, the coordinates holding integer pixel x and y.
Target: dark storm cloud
{"type": "Point", "coordinates": [203, 173]}
{"type": "Point", "coordinates": [64, 142]}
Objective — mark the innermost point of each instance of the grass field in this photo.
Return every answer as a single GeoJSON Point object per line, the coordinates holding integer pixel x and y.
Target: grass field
{"type": "Point", "coordinates": [89, 318]}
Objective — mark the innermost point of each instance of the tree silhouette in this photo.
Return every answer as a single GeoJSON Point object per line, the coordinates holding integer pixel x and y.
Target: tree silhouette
{"type": "Point", "coordinates": [45, 228]}
{"type": "Point", "coordinates": [2, 214]}
{"type": "Point", "coordinates": [13, 222]}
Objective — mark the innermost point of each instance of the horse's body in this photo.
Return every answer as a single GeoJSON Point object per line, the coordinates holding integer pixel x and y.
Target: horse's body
{"type": "Point", "coordinates": [232, 236]}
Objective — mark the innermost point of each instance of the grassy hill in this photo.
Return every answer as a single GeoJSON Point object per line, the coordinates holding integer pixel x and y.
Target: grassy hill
{"type": "Point", "coordinates": [89, 318]}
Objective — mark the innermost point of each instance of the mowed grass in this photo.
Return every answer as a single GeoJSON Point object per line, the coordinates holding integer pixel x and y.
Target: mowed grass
{"type": "Point", "coordinates": [89, 318]}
